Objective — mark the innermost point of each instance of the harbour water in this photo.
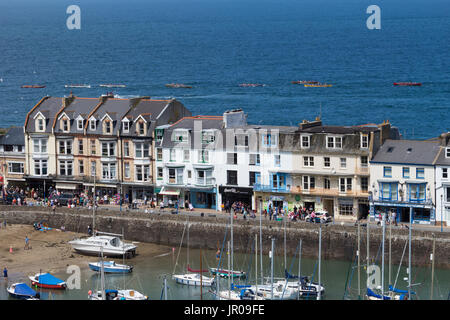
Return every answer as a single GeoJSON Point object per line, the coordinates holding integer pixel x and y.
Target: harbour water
{"type": "Point", "coordinates": [149, 272]}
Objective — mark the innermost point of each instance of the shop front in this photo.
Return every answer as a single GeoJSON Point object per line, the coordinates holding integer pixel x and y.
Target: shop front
{"type": "Point", "coordinates": [203, 198]}
{"type": "Point", "coordinates": [170, 196]}
{"type": "Point", "coordinates": [236, 194]}
{"type": "Point", "coordinates": [421, 213]}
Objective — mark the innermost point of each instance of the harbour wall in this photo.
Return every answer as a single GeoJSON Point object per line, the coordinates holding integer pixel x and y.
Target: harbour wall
{"type": "Point", "coordinates": [339, 242]}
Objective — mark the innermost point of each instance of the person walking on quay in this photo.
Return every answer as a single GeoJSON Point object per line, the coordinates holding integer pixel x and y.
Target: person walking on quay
{"type": "Point", "coordinates": [27, 243]}
{"type": "Point", "coordinates": [5, 273]}
{"type": "Point", "coordinates": [394, 218]}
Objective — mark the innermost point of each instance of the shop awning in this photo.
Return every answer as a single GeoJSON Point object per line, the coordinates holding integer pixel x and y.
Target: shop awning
{"type": "Point", "coordinates": [169, 191]}
{"type": "Point", "coordinates": [69, 186]}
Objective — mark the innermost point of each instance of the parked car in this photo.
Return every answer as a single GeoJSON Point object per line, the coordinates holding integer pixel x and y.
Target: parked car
{"type": "Point", "coordinates": [320, 217]}
{"type": "Point", "coordinates": [64, 198]}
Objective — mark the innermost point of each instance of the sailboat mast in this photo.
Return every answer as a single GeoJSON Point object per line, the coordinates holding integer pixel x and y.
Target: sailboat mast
{"type": "Point", "coordinates": [260, 240]}
{"type": "Point", "coordinates": [390, 248]}
{"type": "Point", "coordinates": [285, 264]}
{"type": "Point", "coordinates": [432, 267]}
{"type": "Point", "coordinates": [367, 243]}
{"type": "Point", "coordinates": [383, 224]}
{"type": "Point", "coordinates": [299, 269]}
{"type": "Point", "coordinates": [409, 249]}
{"type": "Point", "coordinates": [256, 263]}
{"type": "Point", "coordinates": [102, 275]}
{"type": "Point", "coordinates": [359, 262]}
{"type": "Point", "coordinates": [201, 276]}
{"type": "Point", "coordinates": [165, 288]}
{"type": "Point", "coordinates": [229, 278]}
{"type": "Point", "coordinates": [271, 268]}
{"type": "Point", "coordinates": [187, 244]}
{"type": "Point", "coordinates": [232, 241]}
{"type": "Point", "coordinates": [320, 256]}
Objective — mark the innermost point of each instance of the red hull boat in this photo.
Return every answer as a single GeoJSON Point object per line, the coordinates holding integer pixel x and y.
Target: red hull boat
{"type": "Point", "coordinates": [32, 86]}
{"type": "Point", "coordinates": [47, 281]}
{"type": "Point", "coordinates": [407, 84]}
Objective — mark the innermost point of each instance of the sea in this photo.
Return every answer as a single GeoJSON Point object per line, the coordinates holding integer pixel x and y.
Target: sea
{"type": "Point", "coordinates": [152, 275]}
{"type": "Point", "coordinates": [215, 45]}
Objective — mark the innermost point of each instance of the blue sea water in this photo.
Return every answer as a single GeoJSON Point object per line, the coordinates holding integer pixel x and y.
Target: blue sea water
{"type": "Point", "coordinates": [214, 45]}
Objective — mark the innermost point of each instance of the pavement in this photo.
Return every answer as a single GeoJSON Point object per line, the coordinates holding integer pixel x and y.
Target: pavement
{"type": "Point", "coordinates": [222, 214]}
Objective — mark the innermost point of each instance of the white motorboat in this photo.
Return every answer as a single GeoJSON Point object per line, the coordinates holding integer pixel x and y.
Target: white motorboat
{"type": "Point", "coordinates": [110, 267]}
{"type": "Point", "coordinates": [278, 292]}
{"type": "Point", "coordinates": [193, 279]}
{"type": "Point", "coordinates": [292, 288]}
{"type": "Point", "coordinates": [112, 246]}
{"type": "Point", "coordinates": [77, 86]}
{"type": "Point", "coordinates": [127, 294]}
{"type": "Point", "coordinates": [243, 294]}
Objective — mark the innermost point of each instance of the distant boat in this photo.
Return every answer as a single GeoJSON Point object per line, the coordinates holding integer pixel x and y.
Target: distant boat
{"type": "Point", "coordinates": [178, 85]}
{"type": "Point", "coordinates": [32, 86]}
{"type": "Point", "coordinates": [110, 267]}
{"type": "Point", "coordinates": [110, 85]}
{"type": "Point", "coordinates": [22, 291]}
{"type": "Point", "coordinates": [48, 281]}
{"type": "Point", "coordinates": [318, 85]}
{"type": "Point", "coordinates": [415, 84]}
{"type": "Point", "coordinates": [305, 82]}
{"type": "Point", "coordinates": [77, 86]}
{"type": "Point", "coordinates": [251, 85]}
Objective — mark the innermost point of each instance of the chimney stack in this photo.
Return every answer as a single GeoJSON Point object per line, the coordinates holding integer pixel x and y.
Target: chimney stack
{"type": "Point", "coordinates": [234, 118]}
{"type": "Point", "coordinates": [385, 131]}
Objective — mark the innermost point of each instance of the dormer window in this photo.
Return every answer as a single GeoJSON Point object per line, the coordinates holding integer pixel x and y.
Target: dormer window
{"type": "Point", "coordinates": [80, 124]}
{"type": "Point", "coordinates": [40, 125]}
{"type": "Point", "coordinates": [141, 128]}
{"type": "Point", "coordinates": [447, 152]}
{"type": "Point", "coordinates": [180, 136]}
{"type": "Point", "coordinates": [334, 142]}
{"type": "Point", "coordinates": [126, 126]}
{"type": "Point", "coordinates": [92, 125]}
{"type": "Point", "coordinates": [364, 141]}
{"type": "Point", "coordinates": [107, 126]}
{"type": "Point", "coordinates": [65, 125]}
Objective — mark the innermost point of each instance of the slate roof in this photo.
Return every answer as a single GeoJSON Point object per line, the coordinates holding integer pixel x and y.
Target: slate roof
{"type": "Point", "coordinates": [14, 136]}
{"type": "Point", "coordinates": [418, 152]}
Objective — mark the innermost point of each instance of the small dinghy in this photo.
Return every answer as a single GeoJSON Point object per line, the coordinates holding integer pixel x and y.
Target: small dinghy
{"type": "Point", "coordinates": [22, 291]}
{"type": "Point", "coordinates": [47, 281]}
{"type": "Point", "coordinates": [110, 267]}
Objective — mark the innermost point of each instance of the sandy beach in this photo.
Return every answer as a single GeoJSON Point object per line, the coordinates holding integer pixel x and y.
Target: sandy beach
{"type": "Point", "coordinates": [49, 251]}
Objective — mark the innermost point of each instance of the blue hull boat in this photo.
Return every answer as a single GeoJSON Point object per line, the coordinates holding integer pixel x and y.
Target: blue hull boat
{"type": "Point", "coordinates": [110, 267]}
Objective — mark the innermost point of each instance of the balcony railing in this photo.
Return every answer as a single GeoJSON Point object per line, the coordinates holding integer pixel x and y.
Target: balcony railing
{"type": "Point", "coordinates": [270, 188]}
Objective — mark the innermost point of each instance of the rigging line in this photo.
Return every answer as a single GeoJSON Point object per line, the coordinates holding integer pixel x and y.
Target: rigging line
{"type": "Point", "coordinates": [249, 265]}
{"type": "Point", "coordinates": [400, 265]}
{"type": "Point", "coordinates": [347, 284]}
{"type": "Point", "coordinates": [286, 282]}
{"type": "Point", "coordinates": [179, 250]}
{"type": "Point", "coordinates": [293, 259]}
{"type": "Point", "coordinates": [312, 278]}
{"type": "Point", "coordinates": [351, 275]}
{"type": "Point", "coordinates": [221, 250]}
